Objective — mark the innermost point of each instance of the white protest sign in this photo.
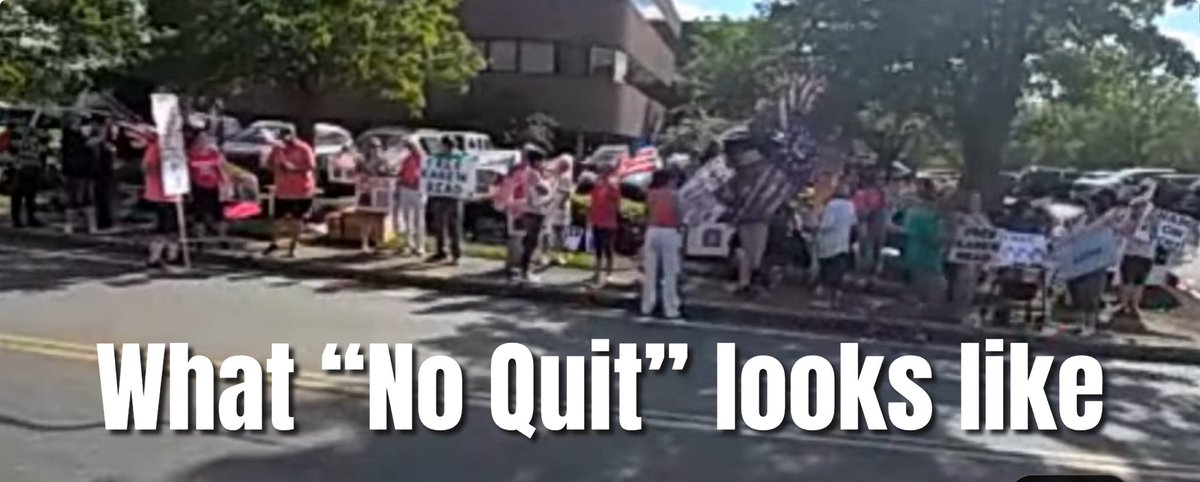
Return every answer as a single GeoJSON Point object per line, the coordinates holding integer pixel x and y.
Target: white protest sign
{"type": "Point", "coordinates": [376, 194]}
{"type": "Point", "coordinates": [698, 194]}
{"type": "Point", "coordinates": [1021, 249]}
{"type": "Point", "coordinates": [168, 122]}
{"type": "Point", "coordinates": [577, 238]}
{"type": "Point", "coordinates": [709, 240]}
{"type": "Point", "coordinates": [975, 244]}
{"type": "Point", "coordinates": [1086, 252]}
{"type": "Point", "coordinates": [1173, 230]}
{"type": "Point", "coordinates": [449, 177]}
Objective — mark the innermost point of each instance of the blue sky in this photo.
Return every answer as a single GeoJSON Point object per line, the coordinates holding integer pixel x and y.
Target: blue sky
{"type": "Point", "coordinates": [1178, 23]}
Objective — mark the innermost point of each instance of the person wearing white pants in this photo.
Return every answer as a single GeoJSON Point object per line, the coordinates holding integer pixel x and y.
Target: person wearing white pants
{"type": "Point", "coordinates": [661, 253]}
{"type": "Point", "coordinates": [409, 211]}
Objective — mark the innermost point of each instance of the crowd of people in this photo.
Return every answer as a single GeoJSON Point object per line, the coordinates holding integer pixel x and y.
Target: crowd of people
{"type": "Point", "coordinates": [844, 224]}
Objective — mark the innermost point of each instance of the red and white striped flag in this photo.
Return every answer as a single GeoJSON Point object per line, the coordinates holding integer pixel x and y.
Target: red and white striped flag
{"type": "Point", "coordinates": [644, 160]}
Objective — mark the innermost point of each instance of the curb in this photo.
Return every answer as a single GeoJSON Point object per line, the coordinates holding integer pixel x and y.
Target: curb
{"type": "Point", "coordinates": [853, 327]}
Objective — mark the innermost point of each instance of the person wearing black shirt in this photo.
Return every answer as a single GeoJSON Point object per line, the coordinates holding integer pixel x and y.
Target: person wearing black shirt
{"type": "Point", "coordinates": [78, 166]}
{"type": "Point", "coordinates": [27, 148]}
{"type": "Point", "coordinates": [108, 149]}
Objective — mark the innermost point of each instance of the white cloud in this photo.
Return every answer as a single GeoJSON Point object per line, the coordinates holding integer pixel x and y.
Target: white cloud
{"type": "Point", "coordinates": [689, 10]}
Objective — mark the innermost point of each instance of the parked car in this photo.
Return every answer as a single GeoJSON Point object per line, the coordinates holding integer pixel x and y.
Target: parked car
{"type": "Point", "coordinates": [1121, 183]}
{"type": "Point", "coordinates": [1041, 181]}
{"type": "Point", "coordinates": [250, 147]}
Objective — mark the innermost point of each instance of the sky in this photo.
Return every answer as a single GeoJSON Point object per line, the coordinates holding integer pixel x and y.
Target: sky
{"type": "Point", "coordinates": [1182, 24]}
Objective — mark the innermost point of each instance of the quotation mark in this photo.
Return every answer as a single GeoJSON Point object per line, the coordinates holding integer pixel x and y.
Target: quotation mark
{"type": "Point", "coordinates": [658, 353]}
{"type": "Point", "coordinates": [333, 361]}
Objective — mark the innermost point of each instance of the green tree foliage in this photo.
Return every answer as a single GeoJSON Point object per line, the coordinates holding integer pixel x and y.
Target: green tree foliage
{"type": "Point", "coordinates": [1114, 113]}
{"type": "Point", "coordinates": [49, 49]}
{"type": "Point", "coordinates": [731, 65]}
{"type": "Point", "coordinates": [963, 64]}
{"type": "Point", "coordinates": [307, 48]}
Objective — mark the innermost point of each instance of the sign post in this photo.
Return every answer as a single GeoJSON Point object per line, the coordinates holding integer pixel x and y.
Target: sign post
{"type": "Point", "coordinates": [168, 121]}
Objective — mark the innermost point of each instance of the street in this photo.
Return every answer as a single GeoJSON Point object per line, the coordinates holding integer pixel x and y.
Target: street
{"type": "Point", "coordinates": [57, 303]}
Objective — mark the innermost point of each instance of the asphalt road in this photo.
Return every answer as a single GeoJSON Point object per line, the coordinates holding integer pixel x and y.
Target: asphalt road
{"type": "Point", "coordinates": [56, 304]}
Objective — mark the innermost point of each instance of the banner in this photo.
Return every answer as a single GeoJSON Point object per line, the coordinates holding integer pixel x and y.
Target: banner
{"type": "Point", "coordinates": [975, 245]}
{"type": "Point", "coordinates": [1086, 252]}
{"type": "Point", "coordinates": [168, 122]}
{"type": "Point", "coordinates": [698, 195]}
{"type": "Point", "coordinates": [1021, 249]}
{"type": "Point", "coordinates": [449, 178]}
{"type": "Point", "coordinates": [1173, 231]}
{"type": "Point", "coordinates": [376, 194]}
{"type": "Point", "coordinates": [709, 240]}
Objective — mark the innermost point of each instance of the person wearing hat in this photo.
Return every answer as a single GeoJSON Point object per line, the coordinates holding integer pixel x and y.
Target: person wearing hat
{"type": "Point", "coordinates": [446, 208]}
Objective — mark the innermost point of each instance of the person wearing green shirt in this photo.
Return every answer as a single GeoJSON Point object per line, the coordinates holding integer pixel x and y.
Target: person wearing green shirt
{"type": "Point", "coordinates": [924, 249]}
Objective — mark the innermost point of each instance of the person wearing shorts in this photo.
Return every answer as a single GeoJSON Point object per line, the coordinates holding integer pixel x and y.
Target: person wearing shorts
{"type": "Point", "coordinates": [838, 221]}
{"type": "Point", "coordinates": [294, 164]}
{"type": "Point", "coordinates": [603, 214]}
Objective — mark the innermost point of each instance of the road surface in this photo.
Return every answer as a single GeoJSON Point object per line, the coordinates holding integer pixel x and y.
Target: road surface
{"type": "Point", "coordinates": [56, 304]}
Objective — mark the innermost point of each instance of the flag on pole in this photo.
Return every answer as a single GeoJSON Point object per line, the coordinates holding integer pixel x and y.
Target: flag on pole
{"type": "Point", "coordinates": [645, 160]}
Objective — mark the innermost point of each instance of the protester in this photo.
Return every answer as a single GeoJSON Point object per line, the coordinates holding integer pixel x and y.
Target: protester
{"type": "Point", "coordinates": [164, 245]}
{"type": "Point", "coordinates": [870, 204]}
{"type": "Point", "coordinates": [923, 248]}
{"type": "Point", "coordinates": [114, 144]}
{"type": "Point", "coordinates": [373, 165]}
{"type": "Point", "coordinates": [965, 278]}
{"type": "Point", "coordinates": [1087, 291]}
{"type": "Point", "coordinates": [661, 254]}
{"type": "Point", "coordinates": [294, 164]}
{"type": "Point", "coordinates": [510, 198]}
{"type": "Point", "coordinates": [838, 221]}
{"type": "Point", "coordinates": [558, 219]}
{"type": "Point", "coordinates": [209, 175]}
{"type": "Point", "coordinates": [78, 169]}
{"type": "Point", "coordinates": [1137, 259]}
{"type": "Point", "coordinates": [27, 145]}
{"type": "Point", "coordinates": [410, 201]}
{"type": "Point", "coordinates": [603, 216]}
{"type": "Point", "coordinates": [539, 195]}
{"type": "Point", "coordinates": [753, 209]}
{"type": "Point", "coordinates": [447, 209]}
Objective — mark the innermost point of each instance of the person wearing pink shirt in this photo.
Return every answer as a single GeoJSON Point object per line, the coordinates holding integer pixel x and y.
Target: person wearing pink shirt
{"type": "Point", "coordinates": [661, 254]}
{"type": "Point", "coordinates": [293, 163]}
{"type": "Point", "coordinates": [166, 224]}
{"type": "Point", "coordinates": [209, 175]}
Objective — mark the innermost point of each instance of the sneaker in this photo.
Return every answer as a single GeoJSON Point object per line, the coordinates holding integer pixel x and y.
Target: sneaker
{"type": "Point", "coordinates": [271, 248]}
{"type": "Point", "coordinates": [437, 258]}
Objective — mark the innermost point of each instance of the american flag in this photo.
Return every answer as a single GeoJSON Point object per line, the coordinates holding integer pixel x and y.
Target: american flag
{"type": "Point", "coordinates": [643, 161]}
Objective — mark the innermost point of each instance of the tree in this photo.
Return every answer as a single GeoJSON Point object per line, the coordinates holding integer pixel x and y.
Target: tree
{"type": "Point", "coordinates": [310, 48]}
{"type": "Point", "coordinates": [51, 48]}
{"type": "Point", "coordinates": [732, 64]}
{"type": "Point", "coordinates": [965, 65]}
{"type": "Point", "coordinates": [693, 132]}
{"type": "Point", "coordinates": [1113, 114]}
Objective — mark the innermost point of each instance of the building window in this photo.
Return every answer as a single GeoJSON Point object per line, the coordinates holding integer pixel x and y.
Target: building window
{"type": "Point", "coordinates": [502, 55]}
{"type": "Point", "coordinates": [572, 59]}
{"type": "Point", "coordinates": [537, 58]}
{"type": "Point", "coordinates": [608, 63]}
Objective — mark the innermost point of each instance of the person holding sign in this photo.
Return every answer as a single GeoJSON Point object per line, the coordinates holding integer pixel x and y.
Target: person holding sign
{"type": "Point", "coordinates": [372, 166]}
{"type": "Point", "coordinates": [293, 163]}
{"type": "Point", "coordinates": [447, 207]}
{"type": "Point", "coordinates": [410, 202]}
{"type": "Point", "coordinates": [166, 226]}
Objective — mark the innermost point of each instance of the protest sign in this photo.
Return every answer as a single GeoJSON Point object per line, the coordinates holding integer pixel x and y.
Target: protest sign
{"type": "Point", "coordinates": [168, 122]}
{"type": "Point", "coordinates": [1172, 230]}
{"type": "Point", "coordinates": [709, 240]}
{"type": "Point", "coordinates": [975, 244]}
{"type": "Point", "coordinates": [698, 195]}
{"type": "Point", "coordinates": [577, 238]}
{"type": "Point", "coordinates": [448, 177]}
{"type": "Point", "coordinates": [1021, 249]}
{"type": "Point", "coordinates": [1086, 252]}
{"type": "Point", "coordinates": [376, 194]}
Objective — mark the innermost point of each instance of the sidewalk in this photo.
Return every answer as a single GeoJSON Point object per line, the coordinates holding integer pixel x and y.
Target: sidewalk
{"type": "Point", "coordinates": [1168, 338]}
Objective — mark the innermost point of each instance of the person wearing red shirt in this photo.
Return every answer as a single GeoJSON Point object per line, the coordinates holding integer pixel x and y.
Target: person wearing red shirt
{"type": "Point", "coordinates": [207, 169]}
{"type": "Point", "coordinates": [293, 163]}
{"type": "Point", "coordinates": [166, 224]}
{"type": "Point", "coordinates": [661, 254]}
{"type": "Point", "coordinates": [603, 212]}
{"type": "Point", "coordinates": [410, 200]}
